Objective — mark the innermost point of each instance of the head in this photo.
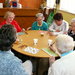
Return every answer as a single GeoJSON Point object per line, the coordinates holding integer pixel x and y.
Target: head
{"type": "Point", "coordinates": [39, 18]}
{"type": "Point", "coordinates": [64, 43]}
{"type": "Point", "coordinates": [7, 37]}
{"type": "Point", "coordinates": [17, 0]}
{"type": "Point", "coordinates": [73, 25]}
{"type": "Point", "coordinates": [9, 16]}
{"type": "Point", "coordinates": [58, 18]}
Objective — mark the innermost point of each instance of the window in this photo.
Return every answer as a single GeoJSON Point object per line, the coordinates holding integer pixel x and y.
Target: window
{"type": "Point", "coordinates": [68, 5]}
{"type": "Point", "coordinates": [50, 3]}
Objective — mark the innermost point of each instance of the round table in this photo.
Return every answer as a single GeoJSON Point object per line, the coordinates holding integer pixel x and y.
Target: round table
{"type": "Point", "coordinates": [27, 40]}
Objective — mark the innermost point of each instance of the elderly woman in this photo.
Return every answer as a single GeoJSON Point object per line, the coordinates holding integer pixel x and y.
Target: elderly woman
{"type": "Point", "coordinates": [59, 26]}
{"type": "Point", "coordinates": [72, 29]}
{"type": "Point", "coordinates": [10, 64]}
{"type": "Point", "coordinates": [9, 19]}
{"type": "Point", "coordinates": [66, 64]}
{"type": "Point", "coordinates": [39, 24]}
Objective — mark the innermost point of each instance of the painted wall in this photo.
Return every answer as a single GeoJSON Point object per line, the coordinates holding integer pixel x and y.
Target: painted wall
{"type": "Point", "coordinates": [31, 4]}
{"type": "Point", "coordinates": [67, 16]}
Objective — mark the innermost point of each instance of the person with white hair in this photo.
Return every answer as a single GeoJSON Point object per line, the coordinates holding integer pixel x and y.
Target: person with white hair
{"type": "Point", "coordinates": [66, 64]}
{"type": "Point", "coordinates": [39, 24]}
{"type": "Point", "coordinates": [9, 63]}
{"type": "Point", "coordinates": [71, 32]}
{"type": "Point", "coordinates": [9, 19]}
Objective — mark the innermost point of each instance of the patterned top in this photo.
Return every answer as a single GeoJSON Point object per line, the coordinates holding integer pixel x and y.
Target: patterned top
{"type": "Point", "coordinates": [62, 28]}
{"type": "Point", "coordinates": [72, 34]}
{"type": "Point", "coordinates": [35, 26]}
{"type": "Point", "coordinates": [63, 66]}
{"type": "Point", "coordinates": [10, 65]}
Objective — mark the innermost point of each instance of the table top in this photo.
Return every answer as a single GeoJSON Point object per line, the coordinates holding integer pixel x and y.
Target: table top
{"type": "Point", "coordinates": [27, 40]}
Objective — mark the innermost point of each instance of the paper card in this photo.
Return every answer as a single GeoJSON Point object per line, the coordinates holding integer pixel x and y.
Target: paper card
{"type": "Point", "coordinates": [20, 33]}
{"type": "Point", "coordinates": [50, 52]}
{"type": "Point", "coordinates": [14, 4]}
{"type": "Point", "coordinates": [31, 50]}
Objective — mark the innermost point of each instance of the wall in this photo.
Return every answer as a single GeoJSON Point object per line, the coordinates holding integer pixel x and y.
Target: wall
{"type": "Point", "coordinates": [67, 16]}
{"type": "Point", "coordinates": [25, 17]}
{"type": "Point", "coordinates": [1, 1]}
{"type": "Point", "coordinates": [31, 4]}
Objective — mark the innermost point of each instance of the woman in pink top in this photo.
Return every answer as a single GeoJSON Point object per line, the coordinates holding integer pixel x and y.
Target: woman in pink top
{"type": "Point", "coordinates": [9, 19]}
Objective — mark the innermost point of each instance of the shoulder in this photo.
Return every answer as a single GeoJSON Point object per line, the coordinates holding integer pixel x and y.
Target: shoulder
{"type": "Point", "coordinates": [56, 67]}
{"type": "Point", "coordinates": [2, 23]}
{"type": "Point", "coordinates": [53, 23]}
{"type": "Point", "coordinates": [11, 64]}
{"type": "Point", "coordinates": [12, 58]}
{"type": "Point", "coordinates": [34, 23]}
{"type": "Point", "coordinates": [16, 66]}
{"type": "Point", "coordinates": [57, 62]}
{"type": "Point", "coordinates": [45, 24]}
{"type": "Point", "coordinates": [65, 22]}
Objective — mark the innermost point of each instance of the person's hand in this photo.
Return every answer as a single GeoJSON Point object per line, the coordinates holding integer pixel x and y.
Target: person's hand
{"type": "Point", "coordinates": [54, 49]}
{"type": "Point", "coordinates": [50, 33]}
{"type": "Point", "coordinates": [51, 60]}
{"type": "Point", "coordinates": [65, 32]}
{"type": "Point", "coordinates": [57, 30]}
{"type": "Point", "coordinates": [23, 29]}
{"type": "Point", "coordinates": [28, 28]}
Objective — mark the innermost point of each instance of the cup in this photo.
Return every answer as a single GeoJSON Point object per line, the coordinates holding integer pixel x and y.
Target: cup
{"type": "Point", "coordinates": [19, 40]}
{"type": "Point", "coordinates": [49, 42]}
{"type": "Point", "coordinates": [19, 5]}
{"type": "Point", "coordinates": [42, 34]}
{"type": "Point", "coordinates": [35, 41]}
{"type": "Point", "coordinates": [1, 5]}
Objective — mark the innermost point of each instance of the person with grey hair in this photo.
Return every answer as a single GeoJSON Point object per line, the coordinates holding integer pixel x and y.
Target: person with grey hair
{"type": "Point", "coordinates": [9, 63]}
{"type": "Point", "coordinates": [66, 64]}
{"type": "Point", "coordinates": [39, 24]}
{"type": "Point", "coordinates": [9, 19]}
{"type": "Point", "coordinates": [71, 32]}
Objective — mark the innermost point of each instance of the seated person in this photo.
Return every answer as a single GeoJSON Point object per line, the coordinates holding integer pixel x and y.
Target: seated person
{"type": "Point", "coordinates": [64, 65]}
{"type": "Point", "coordinates": [71, 32]}
{"type": "Point", "coordinates": [10, 64]}
{"type": "Point", "coordinates": [59, 26]}
{"type": "Point", "coordinates": [39, 24]}
{"type": "Point", "coordinates": [9, 19]}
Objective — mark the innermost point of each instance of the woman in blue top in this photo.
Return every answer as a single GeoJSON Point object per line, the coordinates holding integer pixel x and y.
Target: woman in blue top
{"type": "Point", "coordinates": [39, 24]}
{"type": "Point", "coordinates": [10, 64]}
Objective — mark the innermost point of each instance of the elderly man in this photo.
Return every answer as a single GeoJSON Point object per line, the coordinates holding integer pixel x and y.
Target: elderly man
{"type": "Point", "coordinates": [72, 29]}
{"type": "Point", "coordinates": [66, 64]}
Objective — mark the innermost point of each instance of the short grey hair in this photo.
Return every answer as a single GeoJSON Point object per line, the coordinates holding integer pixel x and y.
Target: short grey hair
{"type": "Point", "coordinates": [73, 20]}
{"type": "Point", "coordinates": [8, 13]}
{"type": "Point", "coordinates": [39, 15]}
{"type": "Point", "coordinates": [64, 43]}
